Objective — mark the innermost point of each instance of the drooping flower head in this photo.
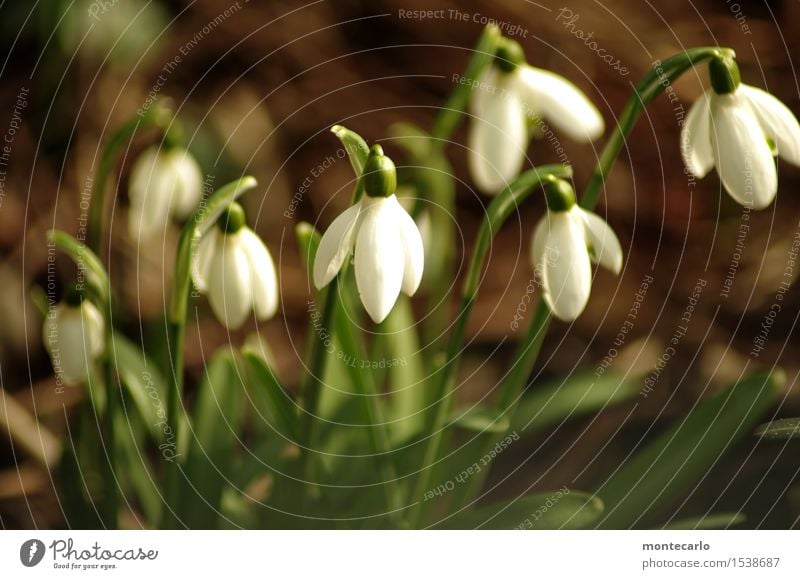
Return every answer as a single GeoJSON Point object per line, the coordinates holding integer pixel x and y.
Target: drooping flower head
{"type": "Point", "coordinates": [566, 240]}
{"type": "Point", "coordinates": [235, 270]}
{"type": "Point", "coordinates": [509, 97]}
{"type": "Point", "coordinates": [73, 336]}
{"type": "Point", "coordinates": [389, 257]}
{"type": "Point", "coordinates": [164, 182]}
{"type": "Point", "coordinates": [738, 129]}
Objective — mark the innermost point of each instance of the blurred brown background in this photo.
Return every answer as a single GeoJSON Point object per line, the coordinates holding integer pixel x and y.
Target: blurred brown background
{"type": "Point", "coordinates": [259, 84]}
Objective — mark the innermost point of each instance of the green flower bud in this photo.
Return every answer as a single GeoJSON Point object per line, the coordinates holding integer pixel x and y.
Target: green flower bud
{"type": "Point", "coordinates": [724, 73]}
{"type": "Point", "coordinates": [232, 219]}
{"type": "Point", "coordinates": [380, 175]}
{"type": "Point", "coordinates": [559, 194]}
{"type": "Point", "coordinates": [509, 55]}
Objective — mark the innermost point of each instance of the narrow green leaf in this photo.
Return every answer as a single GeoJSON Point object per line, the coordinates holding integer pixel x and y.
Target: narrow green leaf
{"type": "Point", "coordinates": [212, 442]}
{"type": "Point", "coordinates": [562, 509]}
{"type": "Point", "coordinates": [716, 521]}
{"type": "Point", "coordinates": [479, 419]}
{"type": "Point", "coordinates": [687, 450]}
{"type": "Point", "coordinates": [548, 404]}
{"type": "Point", "coordinates": [354, 145]}
{"type": "Point", "coordinates": [782, 429]}
{"type": "Point", "coordinates": [270, 397]}
{"type": "Point", "coordinates": [143, 382]}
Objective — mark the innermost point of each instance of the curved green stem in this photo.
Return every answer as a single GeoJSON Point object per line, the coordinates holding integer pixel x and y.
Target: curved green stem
{"type": "Point", "coordinates": [451, 113]}
{"type": "Point", "coordinates": [158, 115]}
{"type": "Point", "coordinates": [653, 83]}
{"type": "Point", "coordinates": [496, 214]}
{"type": "Point", "coordinates": [196, 227]}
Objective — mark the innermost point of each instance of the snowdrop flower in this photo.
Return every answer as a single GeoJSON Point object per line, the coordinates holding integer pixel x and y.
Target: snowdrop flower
{"type": "Point", "coordinates": [507, 97]}
{"type": "Point", "coordinates": [163, 182]}
{"type": "Point", "coordinates": [737, 129]}
{"type": "Point", "coordinates": [564, 243]}
{"type": "Point", "coordinates": [235, 270]}
{"type": "Point", "coordinates": [389, 255]}
{"type": "Point", "coordinates": [73, 336]}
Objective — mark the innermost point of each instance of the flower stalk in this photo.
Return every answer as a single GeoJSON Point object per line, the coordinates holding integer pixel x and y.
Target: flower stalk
{"type": "Point", "coordinates": [496, 214]}
{"type": "Point", "coordinates": [193, 231]}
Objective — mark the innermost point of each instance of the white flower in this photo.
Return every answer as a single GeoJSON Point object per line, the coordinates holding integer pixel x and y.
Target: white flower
{"type": "Point", "coordinates": [562, 247]}
{"type": "Point", "coordinates": [235, 270]}
{"type": "Point", "coordinates": [733, 132]}
{"type": "Point", "coordinates": [73, 336]}
{"type": "Point", "coordinates": [389, 256]}
{"type": "Point", "coordinates": [163, 182]}
{"type": "Point", "coordinates": [503, 103]}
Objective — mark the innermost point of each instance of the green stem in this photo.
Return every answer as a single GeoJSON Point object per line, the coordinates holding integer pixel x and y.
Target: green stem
{"type": "Point", "coordinates": [651, 85]}
{"type": "Point", "coordinates": [158, 115]}
{"type": "Point", "coordinates": [496, 214]}
{"type": "Point", "coordinates": [193, 231]}
{"type": "Point", "coordinates": [112, 410]}
{"type": "Point", "coordinates": [527, 352]}
{"type": "Point", "coordinates": [452, 111]}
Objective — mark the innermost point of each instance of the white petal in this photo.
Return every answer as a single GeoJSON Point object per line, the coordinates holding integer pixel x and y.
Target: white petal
{"type": "Point", "coordinates": [149, 194]}
{"type": "Point", "coordinates": [379, 260]}
{"type": "Point", "coordinates": [93, 326]}
{"type": "Point", "coordinates": [411, 240]}
{"type": "Point", "coordinates": [229, 282]}
{"type": "Point", "coordinates": [187, 181]}
{"type": "Point", "coordinates": [566, 277]}
{"type": "Point", "coordinates": [560, 102]}
{"type": "Point", "coordinates": [539, 244]}
{"type": "Point", "coordinates": [741, 153]}
{"type": "Point", "coordinates": [696, 139]}
{"type": "Point", "coordinates": [74, 338]}
{"type": "Point", "coordinates": [487, 86]}
{"type": "Point", "coordinates": [777, 120]}
{"type": "Point", "coordinates": [602, 239]}
{"type": "Point", "coordinates": [498, 140]}
{"type": "Point", "coordinates": [335, 246]}
{"type": "Point", "coordinates": [201, 261]}
{"type": "Point", "coordinates": [264, 280]}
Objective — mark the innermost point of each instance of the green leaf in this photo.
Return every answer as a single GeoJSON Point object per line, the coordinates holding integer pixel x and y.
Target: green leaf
{"type": "Point", "coordinates": [143, 382]}
{"type": "Point", "coordinates": [401, 352]}
{"type": "Point", "coordinates": [355, 146]}
{"type": "Point", "coordinates": [479, 419]}
{"type": "Point", "coordinates": [782, 429]}
{"type": "Point", "coordinates": [716, 521]}
{"type": "Point", "coordinates": [684, 453]}
{"type": "Point", "coordinates": [547, 405]}
{"type": "Point", "coordinates": [134, 467]}
{"type": "Point", "coordinates": [212, 442]}
{"type": "Point", "coordinates": [271, 399]}
{"type": "Point", "coordinates": [561, 509]}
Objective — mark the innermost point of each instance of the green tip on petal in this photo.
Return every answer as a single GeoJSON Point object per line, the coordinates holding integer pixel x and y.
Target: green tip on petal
{"type": "Point", "coordinates": [380, 174]}
{"type": "Point", "coordinates": [509, 55]}
{"type": "Point", "coordinates": [559, 194]}
{"type": "Point", "coordinates": [724, 74]}
{"type": "Point", "coordinates": [232, 219]}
